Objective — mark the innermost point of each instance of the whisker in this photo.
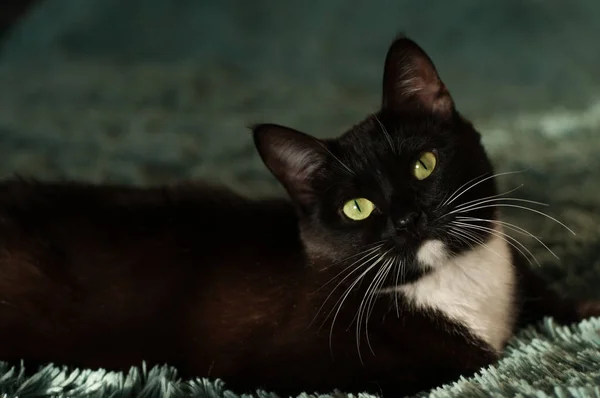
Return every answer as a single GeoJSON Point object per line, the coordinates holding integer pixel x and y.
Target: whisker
{"type": "Point", "coordinates": [339, 304]}
{"type": "Point", "coordinates": [348, 169]}
{"type": "Point", "coordinates": [478, 203]}
{"type": "Point", "coordinates": [373, 255]}
{"type": "Point", "coordinates": [470, 236]}
{"type": "Point", "coordinates": [512, 227]}
{"type": "Point", "coordinates": [385, 132]}
{"type": "Point", "coordinates": [479, 182]}
{"type": "Point", "coordinates": [375, 291]}
{"type": "Point", "coordinates": [367, 251]}
{"type": "Point", "coordinates": [461, 239]}
{"type": "Point", "coordinates": [457, 234]}
{"type": "Point", "coordinates": [399, 267]}
{"type": "Point", "coordinates": [492, 196]}
{"type": "Point", "coordinates": [503, 236]}
{"type": "Point", "coordinates": [475, 239]}
{"type": "Point", "coordinates": [361, 307]}
{"type": "Point", "coordinates": [478, 242]}
{"type": "Point", "coordinates": [523, 208]}
{"type": "Point", "coordinates": [443, 203]}
{"type": "Point", "coordinates": [347, 293]}
{"type": "Point", "coordinates": [365, 306]}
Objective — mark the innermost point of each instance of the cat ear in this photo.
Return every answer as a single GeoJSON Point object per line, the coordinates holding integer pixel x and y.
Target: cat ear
{"type": "Point", "coordinates": [411, 81]}
{"type": "Point", "coordinates": [293, 157]}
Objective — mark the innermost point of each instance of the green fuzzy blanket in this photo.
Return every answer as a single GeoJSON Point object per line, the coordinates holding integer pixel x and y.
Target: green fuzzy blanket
{"type": "Point", "coordinates": [151, 91]}
{"type": "Point", "coordinates": [543, 361]}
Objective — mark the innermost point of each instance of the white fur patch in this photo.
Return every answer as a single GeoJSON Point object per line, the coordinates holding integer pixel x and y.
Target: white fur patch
{"type": "Point", "coordinates": [475, 289]}
{"type": "Point", "coordinates": [432, 253]}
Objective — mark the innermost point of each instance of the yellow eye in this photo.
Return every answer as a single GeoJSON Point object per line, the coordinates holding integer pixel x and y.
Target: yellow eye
{"type": "Point", "coordinates": [358, 209]}
{"type": "Point", "coordinates": [423, 167]}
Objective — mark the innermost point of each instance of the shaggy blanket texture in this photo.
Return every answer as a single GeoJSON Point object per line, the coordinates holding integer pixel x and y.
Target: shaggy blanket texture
{"type": "Point", "coordinates": [161, 99]}
{"type": "Point", "coordinates": [546, 361]}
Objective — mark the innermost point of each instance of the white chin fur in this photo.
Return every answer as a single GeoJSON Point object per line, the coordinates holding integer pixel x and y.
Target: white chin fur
{"type": "Point", "coordinates": [474, 288]}
{"type": "Point", "coordinates": [432, 254]}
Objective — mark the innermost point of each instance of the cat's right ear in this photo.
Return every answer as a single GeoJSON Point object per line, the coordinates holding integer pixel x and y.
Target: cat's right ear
{"type": "Point", "coordinates": [293, 157]}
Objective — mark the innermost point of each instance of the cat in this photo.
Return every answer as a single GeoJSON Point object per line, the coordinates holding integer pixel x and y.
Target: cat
{"type": "Point", "coordinates": [384, 270]}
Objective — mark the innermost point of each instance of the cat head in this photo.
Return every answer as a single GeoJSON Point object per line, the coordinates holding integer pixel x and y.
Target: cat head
{"type": "Point", "coordinates": [391, 188]}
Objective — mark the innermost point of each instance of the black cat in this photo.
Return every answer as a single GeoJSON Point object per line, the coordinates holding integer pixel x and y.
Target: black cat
{"type": "Point", "coordinates": [386, 272]}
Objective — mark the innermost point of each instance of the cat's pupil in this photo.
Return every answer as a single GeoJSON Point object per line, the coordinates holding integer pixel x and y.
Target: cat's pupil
{"type": "Point", "coordinates": [357, 206]}
{"type": "Point", "coordinates": [423, 164]}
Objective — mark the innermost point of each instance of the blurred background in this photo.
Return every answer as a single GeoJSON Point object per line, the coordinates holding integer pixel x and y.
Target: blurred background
{"type": "Point", "coordinates": [153, 91]}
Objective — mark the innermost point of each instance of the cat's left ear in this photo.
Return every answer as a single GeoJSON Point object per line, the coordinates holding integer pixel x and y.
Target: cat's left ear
{"type": "Point", "coordinates": [293, 157]}
{"type": "Point", "coordinates": [411, 81]}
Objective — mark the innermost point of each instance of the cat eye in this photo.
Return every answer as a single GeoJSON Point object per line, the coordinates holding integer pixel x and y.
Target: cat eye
{"type": "Point", "coordinates": [424, 166]}
{"type": "Point", "coordinates": [358, 209]}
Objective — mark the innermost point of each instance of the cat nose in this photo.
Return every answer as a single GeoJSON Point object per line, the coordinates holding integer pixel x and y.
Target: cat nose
{"type": "Point", "coordinates": [407, 221]}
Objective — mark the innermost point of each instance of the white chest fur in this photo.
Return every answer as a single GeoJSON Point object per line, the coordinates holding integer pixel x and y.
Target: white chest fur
{"type": "Point", "coordinates": [475, 289]}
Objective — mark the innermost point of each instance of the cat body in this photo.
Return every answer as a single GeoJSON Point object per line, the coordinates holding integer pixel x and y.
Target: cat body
{"type": "Point", "coordinates": [233, 301]}
{"type": "Point", "coordinates": [364, 279]}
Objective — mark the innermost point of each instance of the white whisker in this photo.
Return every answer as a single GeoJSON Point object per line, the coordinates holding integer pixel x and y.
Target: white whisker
{"type": "Point", "coordinates": [443, 203]}
{"type": "Point", "coordinates": [364, 310]}
{"type": "Point", "coordinates": [373, 255]}
{"type": "Point", "coordinates": [460, 238]}
{"type": "Point", "coordinates": [477, 240]}
{"type": "Point", "coordinates": [347, 293]}
{"type": "Point", "coordinates": [523, 208]}
{"type": "Point", "coordinates": [481, 202]}
{"type": "Point", "coordinates": [500, 235]}
{"type": "Point", "coordinates": [385, 132]}
{"type": "Point", "coordinates": [357, 266]}
{"type": "Point", "coordinates": [448, 202]}
{"type": "Point", "coordinates": [512, 227]}
{"type": "Point", "coordinates": [399, 268]}
{"type": "Point", "coordinates": [492, 196]}
{"type": "Point", "coordinates": [364, 252]}
{"type": "Point", "coordinates": [348, 169]}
